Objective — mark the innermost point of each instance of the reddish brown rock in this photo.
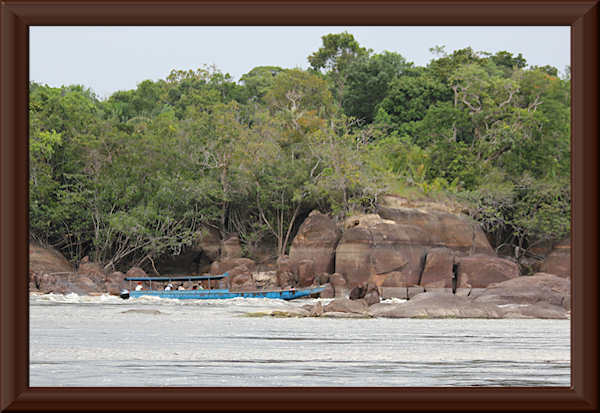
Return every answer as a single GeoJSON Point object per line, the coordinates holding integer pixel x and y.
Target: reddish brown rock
{"type": "Point", "coordinates": [531, 289]}
{"type": "Point", "coordinates": [83, 284]}
{"type": "Point", "coordinates": [454, 231]}
{"type": "Point", "coordinates": [285, 264]}
{"type": "Point", "coordinates": [479, 271]}
{"type": "Point", "coordinates": [242, 282]}
{"type": "Point", "coordinates": [322, 278]}
{"type": "Point", "coordinates": [340, 286]}
{"type": "Point", "coordinates": [558, 262]}
{"type": "Point", "coordinates": [371, 245]}
{"type": "Point", "coordinates": [47, 260]}
{"type": "Point", "coordinates": [231, 248]}
{"type": "Point", "coordinates": [240, 269]}
{"type": "Point", "coordinates": [328, 292]}
{"type": "Point", "coordinates": [372, 295]}
{"type": "Point", "coordinates": [306, 273]}
{"type": "Point", "coordinates": [538, 310]}
{"type": "Point", "coordinates": [115, 282]}
{"type": "Point", "coordinates": [45, 283]}
{"type": "Point", "coordinates": [136, 272]}
{"type": "Point", "coordinates": [286, 279]}
{"type": "Point", "coordinates": [438, 268]}
{"type": "Point", "coordinates": [429, 305]}
{"type": "Point", "coordinates": [91, 269]}
{"type": "Point", "coordinates": [401, 279]}
{"type": "Point", "coordinates": [220, 267]}
{"type": "Point", "coordinates": [316, 240]}
{"type": "Point", "coordinates": [345, 305]}
{"type": "Point", "coordinates": [265, 279]}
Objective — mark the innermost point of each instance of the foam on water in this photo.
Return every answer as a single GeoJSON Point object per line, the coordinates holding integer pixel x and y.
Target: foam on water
{"type": "Point", "coordinates": [72, 298]}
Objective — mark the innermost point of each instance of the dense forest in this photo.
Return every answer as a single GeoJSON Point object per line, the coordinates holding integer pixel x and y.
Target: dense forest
{"type": "Point", "coordinates": [134, 177]}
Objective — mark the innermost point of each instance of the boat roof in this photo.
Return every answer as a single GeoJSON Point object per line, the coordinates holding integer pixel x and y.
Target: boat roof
{"type": "Point", "coordinates": [179, 278]}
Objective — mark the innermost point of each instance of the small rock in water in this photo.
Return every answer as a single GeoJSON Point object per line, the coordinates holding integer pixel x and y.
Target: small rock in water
{"type": "Point", "coordinates": [154, 312]}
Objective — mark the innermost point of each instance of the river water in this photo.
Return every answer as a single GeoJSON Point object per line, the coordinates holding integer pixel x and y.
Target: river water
{"type": "Point", "coordinates": [106, 341]}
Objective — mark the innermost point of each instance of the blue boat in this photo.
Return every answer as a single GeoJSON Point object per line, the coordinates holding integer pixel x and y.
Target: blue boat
{"type": "Point", "coordinates": [210, 293]}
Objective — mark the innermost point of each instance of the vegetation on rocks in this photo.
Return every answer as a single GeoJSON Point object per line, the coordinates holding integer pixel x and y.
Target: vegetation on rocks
{"type": "Point", "coordinates": [141, 175]}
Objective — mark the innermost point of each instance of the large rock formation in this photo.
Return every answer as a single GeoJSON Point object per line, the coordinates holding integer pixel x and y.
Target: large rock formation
{"type": "Point", "coordinates": [220, 267]}
{"type": "Point", "coordinates": [371, 245]}
{"type": "Point", "coordinates": [47, 260]}
{"type": "Point", "coordinates": [397, 242]}
{"type": "Point", "coordinates": [91, 269]}
{"type": "Point", "coordinates": [345, 305]}
{"type": "Point", "coordinates": [316, 240]}
{"type": "Point", "coordinates": [547, 288]}
{"type": "Point", "coordinates": [429, 305]}
{"type": "Point", "coordinates": [438, 271]}
{"type": "Point", "coordinates": [558, 262]}
{"type": "Point", "coordinates": [444, 228]}
{"type": "Point", "coordinates": [479, 271]}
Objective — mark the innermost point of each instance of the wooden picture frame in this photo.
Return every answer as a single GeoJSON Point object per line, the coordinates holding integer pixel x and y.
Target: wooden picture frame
{"type": "Point", "coordinates": [18, 15]}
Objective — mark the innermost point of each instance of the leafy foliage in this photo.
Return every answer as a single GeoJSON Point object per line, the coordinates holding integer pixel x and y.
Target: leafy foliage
{"type": "Point", "coordinates": [133, 178]}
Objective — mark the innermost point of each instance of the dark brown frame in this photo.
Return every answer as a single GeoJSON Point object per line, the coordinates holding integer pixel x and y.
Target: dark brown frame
{"type": "Point", "coordinates": [17, 15]}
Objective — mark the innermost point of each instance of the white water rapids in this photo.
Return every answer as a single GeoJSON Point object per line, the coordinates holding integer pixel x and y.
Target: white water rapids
{"type": "Point", "coordinates": [105, 341]}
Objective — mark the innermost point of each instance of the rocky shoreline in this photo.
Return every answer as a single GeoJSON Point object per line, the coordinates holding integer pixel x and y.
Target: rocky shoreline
{"type": "Point", "coordinates": [439, 260]}
{"type": "Point", "coordinates": [520, 298]}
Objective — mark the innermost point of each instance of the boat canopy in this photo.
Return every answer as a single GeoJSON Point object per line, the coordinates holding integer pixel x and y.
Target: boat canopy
{"type": "Point", "coordinates": [179, 278]}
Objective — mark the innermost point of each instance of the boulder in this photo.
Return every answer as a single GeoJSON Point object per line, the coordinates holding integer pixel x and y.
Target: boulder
{"type": "Point", "coordinates": [558, 262]}
{"type": "Point", "coordinates": [115, 282]}
{"type": "Point", "coordinates": [242, 282]}
{"type": "Point", "coordinates": [286, 279]}
{"type": "Point", "coordinates": [306, 272]}
{"type": "Point", "coordinates": [240, 269]}
{"type": "Point", "coordinates": [265, 279]}
{"type": "Point", "coordinates": [91, 269]}
{"type": "Point", "coordinates": [435, 291]}
{"type": "Point", "coordinates": [231, 248]}
{"type": "Point", "coordinates": [438, 269]}
{"type": "Point", "coordinates": [47, 260]}
{"type": "Point", "coordinates": [532, 289]}
{"type": "Point", "coordinates": [285, 264]}
{"type": "Point", "coordinates": [444, 228]}
{"type": "Point", "coordinates": [45, 283]}
{"type": "Point", "coordinates": [394, 292]}
{"type": "Point", "coordinates": [328, 292]}
{"type": "Point", "coordinates": [136, 272]}
{"type": "Point", "coordinates": [345, 305]}
{"type": "Point", "coordinates": [358, 292]}
{"type": "Point", "coordinates": [538, 310]}
{"type": "Point", "coordinates": [82, 284]}
{"type": "Point", "coordinates": [315, 310]}
{"type": "Point", "coordinates": [316, 240]}
{"type": "Point", "coordinates": [322, 278]}
{"type": "Point", "coordinates": [372, 296]}
{"type": "Point", "coordinates": [479, 271]}
{"type": "Point", "coordinates": [338, 314]}
{"type": "Point", "coordinates": [340, 286]}
{"type": "Point", "coordinates": [372, 245]}
{"type": "Point", "coordinates": [427, 305]}
{"type": "Point", "coordinates": [220, 267]}
{"type": "Point", "coordinates": [401, 279]}
{"type": "Point", "coordinates": [412, 291]}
